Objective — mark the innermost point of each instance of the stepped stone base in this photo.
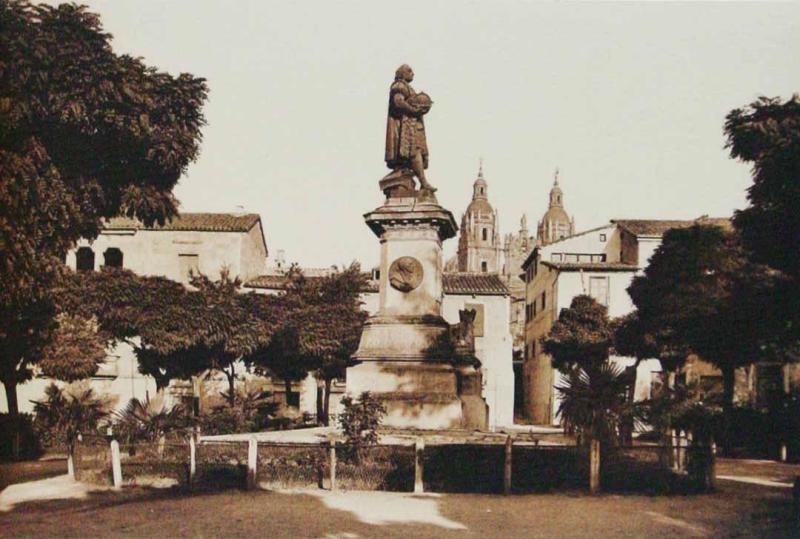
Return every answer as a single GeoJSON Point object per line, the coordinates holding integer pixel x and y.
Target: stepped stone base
{"type": "Point", "coordinates": [422, 394]}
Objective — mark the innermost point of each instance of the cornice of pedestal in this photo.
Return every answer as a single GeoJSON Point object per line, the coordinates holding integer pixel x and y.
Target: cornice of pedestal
{"type": "Point", "coordinates": [408, 211]}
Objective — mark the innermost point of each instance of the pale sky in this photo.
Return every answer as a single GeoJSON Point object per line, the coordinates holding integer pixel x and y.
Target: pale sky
{"type": "Point", "coordinates": [628, 100]}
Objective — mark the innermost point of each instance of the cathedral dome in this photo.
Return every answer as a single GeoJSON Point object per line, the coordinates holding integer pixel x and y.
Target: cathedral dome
{"type": "Point", "coordinates": [556, 214]}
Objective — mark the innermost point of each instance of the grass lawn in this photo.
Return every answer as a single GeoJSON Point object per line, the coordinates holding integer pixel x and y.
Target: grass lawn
{"type": "Point", "coordinates": [736, 510]}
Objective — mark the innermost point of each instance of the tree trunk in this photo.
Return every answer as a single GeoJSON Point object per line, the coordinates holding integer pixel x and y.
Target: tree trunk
{"type": "Point", "coordinates": [10, 386]}
{"type": "Point", "coordinates": [729, 381]}
{"type": "Point", "coordinates": [287, 384]}
{"type": "Point", "coordinates": [231, 385]}
{"type": "Point", "coordinates": [320, 400]}
{"type": "Point", "coordinates": [327, 403]}
{"type": "Point", "coordinates": [627, 424]}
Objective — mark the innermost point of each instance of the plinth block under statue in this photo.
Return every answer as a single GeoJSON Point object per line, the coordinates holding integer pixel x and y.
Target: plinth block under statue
{"type": "Point", "coordinates": [423, 369]}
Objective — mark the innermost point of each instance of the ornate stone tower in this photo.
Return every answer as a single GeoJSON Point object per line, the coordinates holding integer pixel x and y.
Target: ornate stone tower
{"type": "Point", "coordinates": [555, 224]}
{"type": "Point", "coordinates": [479, 245]}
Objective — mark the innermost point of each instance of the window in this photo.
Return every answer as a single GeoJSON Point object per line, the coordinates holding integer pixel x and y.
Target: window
{"type": "Point", "coordinates": [555, 257]}
{"type": "Point", "coordinates": [112, 258]}
{"type": "Point", "coordinates": [478, 324]}
{"type": "Point", "coordinates": [571, 258]}
{"type": "Point", "coordinates": [598, 258]}
{"type": "Point", "coordinates": [188, 265]}
{"type": "Point", "coordinates": [293, 399]}
{"type": "Point", "coordinates": [485, 233]}
{"type": "Point", "coordinates": [484, 267]}
{"type": "Point", "coordinates": [544, 300]}
{"type": "Point", "coordinates": [598, 289]}
{"type": "Point", "coordinates": [533, 306]}
{"type": "Point", "coordinates": [602, 237]}
{"type": "Point", "coordinates": [84, 259]}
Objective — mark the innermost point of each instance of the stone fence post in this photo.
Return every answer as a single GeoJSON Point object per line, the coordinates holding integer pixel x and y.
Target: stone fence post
{"type": "Point", "coordinates": [116, 464]}
{"type": "Point", "coordinates": [419, 454]}
{"type": "Point", "coordinates": [252, 463]}
{"type": "Point", "coordinates": [507, 466]}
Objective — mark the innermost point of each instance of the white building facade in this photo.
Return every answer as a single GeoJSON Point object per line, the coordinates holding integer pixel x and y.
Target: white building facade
{"type": "Point", "coordinates": [600, 263]}
{"type": "Point", "coordinates": [204, 242]}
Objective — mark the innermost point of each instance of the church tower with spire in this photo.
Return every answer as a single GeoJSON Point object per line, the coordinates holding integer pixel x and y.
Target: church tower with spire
{"type": "Point", "coordinates": [555, 223]}
{"type": "Point", "coordinates": [479, 240]}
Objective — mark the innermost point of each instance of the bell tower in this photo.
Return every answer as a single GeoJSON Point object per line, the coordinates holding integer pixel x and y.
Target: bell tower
{"type": "Point", "coordinates": [479, 242]}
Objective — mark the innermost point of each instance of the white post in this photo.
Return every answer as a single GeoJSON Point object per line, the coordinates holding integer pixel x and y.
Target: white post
{"type": "Point", "coordinates": [676, 451]}
{"type": "Point", "coordinates": [419, 452]}
{"type": "Point", "coordinates": [192, 460]}
{"type": "Point", "coordinates": [594, 466]}
{"type": "Point", "coordinates": [784, 452]}
{"type": "Point", "coordinates": [70, 464]}
{"type": "Point", "coordinates": [116, 465]}
{"type": "Point", "coordinates": [252, 462]}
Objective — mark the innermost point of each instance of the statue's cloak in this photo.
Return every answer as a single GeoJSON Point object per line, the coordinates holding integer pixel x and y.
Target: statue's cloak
{"type": "Point", "coordinates": [405, 133]}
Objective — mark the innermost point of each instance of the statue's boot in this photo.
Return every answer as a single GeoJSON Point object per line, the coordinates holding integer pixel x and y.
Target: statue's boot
{"type": "Point", "coordinates": [423, 184]}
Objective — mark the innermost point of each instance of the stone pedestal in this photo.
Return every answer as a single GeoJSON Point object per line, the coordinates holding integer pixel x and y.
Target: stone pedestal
{"type": "Point", "coordinates": [403, 357]}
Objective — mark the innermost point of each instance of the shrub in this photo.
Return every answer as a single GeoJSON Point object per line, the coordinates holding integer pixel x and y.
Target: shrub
{"type": "Point", "coordinates": [252, 411]}
{"type": "Point", "coordinates": [29, 446]}
{"type": "Point", "coordinates": [65, 413]}
{"type": "Point", "coordinates": [360, 421]}
{"type": "Point", "coordinates": [149, 420]}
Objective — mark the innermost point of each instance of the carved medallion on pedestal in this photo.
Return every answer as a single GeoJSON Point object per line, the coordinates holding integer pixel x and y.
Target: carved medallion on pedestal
{"type": "Point", "coordinates": [405, 274]}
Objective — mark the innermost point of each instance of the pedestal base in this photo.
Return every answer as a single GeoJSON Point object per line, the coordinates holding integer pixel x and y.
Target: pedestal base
{"type": "Point", "coordinates": [422, 394]}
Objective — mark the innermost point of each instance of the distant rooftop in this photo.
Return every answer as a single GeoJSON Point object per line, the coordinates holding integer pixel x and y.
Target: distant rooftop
{"type": "Point", "coordinates": [201, 222]}
{"type": "Point", "coordinates": [657, 227]}
{"type": "Point", "coordinates": [479, 284]}
{"type": "Point", "coordinates": [590, 266]}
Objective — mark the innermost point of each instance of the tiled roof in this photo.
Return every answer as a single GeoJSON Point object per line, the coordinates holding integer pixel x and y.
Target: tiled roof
{"type": "Point", "coordinates": [657, 227]}
{"type": "Point", "coordinates": [479, 284]}
{"type": "Point", "coordinates": [591, 266]}
{"type": "Point", "coordinates": [205, 222]}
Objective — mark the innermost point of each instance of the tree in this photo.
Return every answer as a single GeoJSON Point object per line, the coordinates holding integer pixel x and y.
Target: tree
{"type": "Point", "coordinates": [85, 134]}
{"type": "Point", "coordinates": [63, 414]}
{"type": "Point", "coordinates": [700, 294]}
{"type": "Point", "coordinates": [632, 340]}
{"type": "Point", "coordinates": [320, 329]}
{"type": "Point", "coordinates": [177, 332]}
{"type": "Point", "coordinates": [76, 349]}
{"type": "Point", "coordinates": [594, 402]}
{"type": "Point", "coordinates": [581, 337]}
{"type": "Point", "coordinates": [766, 134]}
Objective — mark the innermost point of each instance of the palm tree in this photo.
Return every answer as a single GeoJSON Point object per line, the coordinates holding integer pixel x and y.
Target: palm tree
{"type": "Point", "coordinates": [149, 420]}
{"type": "Point", "coordinates": [62, 415]}
{"type": "Point", "coordinates": [594, 402]}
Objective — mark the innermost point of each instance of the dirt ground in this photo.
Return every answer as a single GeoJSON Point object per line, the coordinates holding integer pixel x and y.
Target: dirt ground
{"type": "Point", "coordinates": [735, 510]}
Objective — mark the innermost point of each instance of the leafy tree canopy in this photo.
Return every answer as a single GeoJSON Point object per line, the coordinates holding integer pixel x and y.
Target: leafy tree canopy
{"type": "Point", "coordinates": [767, 134]}
{"type": "Point", "coordinates": [85, 134]}
{"type": "Point", "coordinates": [581, 337]}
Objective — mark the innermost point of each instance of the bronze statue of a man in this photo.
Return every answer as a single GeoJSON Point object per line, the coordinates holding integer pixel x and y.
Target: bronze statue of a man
{"type": "Point", "coordinates": [406, 147]}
